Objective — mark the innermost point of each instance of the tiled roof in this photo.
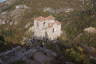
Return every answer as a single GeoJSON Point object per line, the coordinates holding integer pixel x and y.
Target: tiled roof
{"type": "Point", "coordinates": [40, 18]}
{"type": "Point", "coordinates": [44, 18]}
{"type": "Point", "coordinates": [47, 18]}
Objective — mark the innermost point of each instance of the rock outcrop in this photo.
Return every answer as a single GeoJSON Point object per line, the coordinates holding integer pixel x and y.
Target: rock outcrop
{"type": "Point", "coordinates": [90, 30]}
{"type": "Point", "coordinates": [31, 55]}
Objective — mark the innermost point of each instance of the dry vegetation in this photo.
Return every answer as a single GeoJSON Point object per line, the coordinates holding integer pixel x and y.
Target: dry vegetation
{"type": "Point", "coordinates": [73, 25]}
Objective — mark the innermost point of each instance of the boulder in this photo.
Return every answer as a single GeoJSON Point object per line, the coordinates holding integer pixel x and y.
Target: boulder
{"type": "Point", "coordinates": [90, 30]}
{"type": "Point", "coordinates": [42, 58]}
{"type": "Point", "coordinates": [22, 7]}
{"type": "Point", "coordinates": [48, 9]}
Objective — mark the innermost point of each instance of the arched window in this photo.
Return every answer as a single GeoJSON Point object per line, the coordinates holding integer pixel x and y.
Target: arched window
{"type": "Point", "coordinates": [44, 23]}
{"type": "Point", "coordinates": [53, 29]}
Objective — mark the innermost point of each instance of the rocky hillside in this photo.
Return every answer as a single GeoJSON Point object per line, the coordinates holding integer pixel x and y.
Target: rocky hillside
{"type": "Point", "coordinates": [16, 15]}
{"type": "Point", "coordinates": [77, 45]}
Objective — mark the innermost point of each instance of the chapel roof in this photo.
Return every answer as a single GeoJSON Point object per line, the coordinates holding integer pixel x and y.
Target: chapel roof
{"type": "Point", "coordinates": [40, 18]}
